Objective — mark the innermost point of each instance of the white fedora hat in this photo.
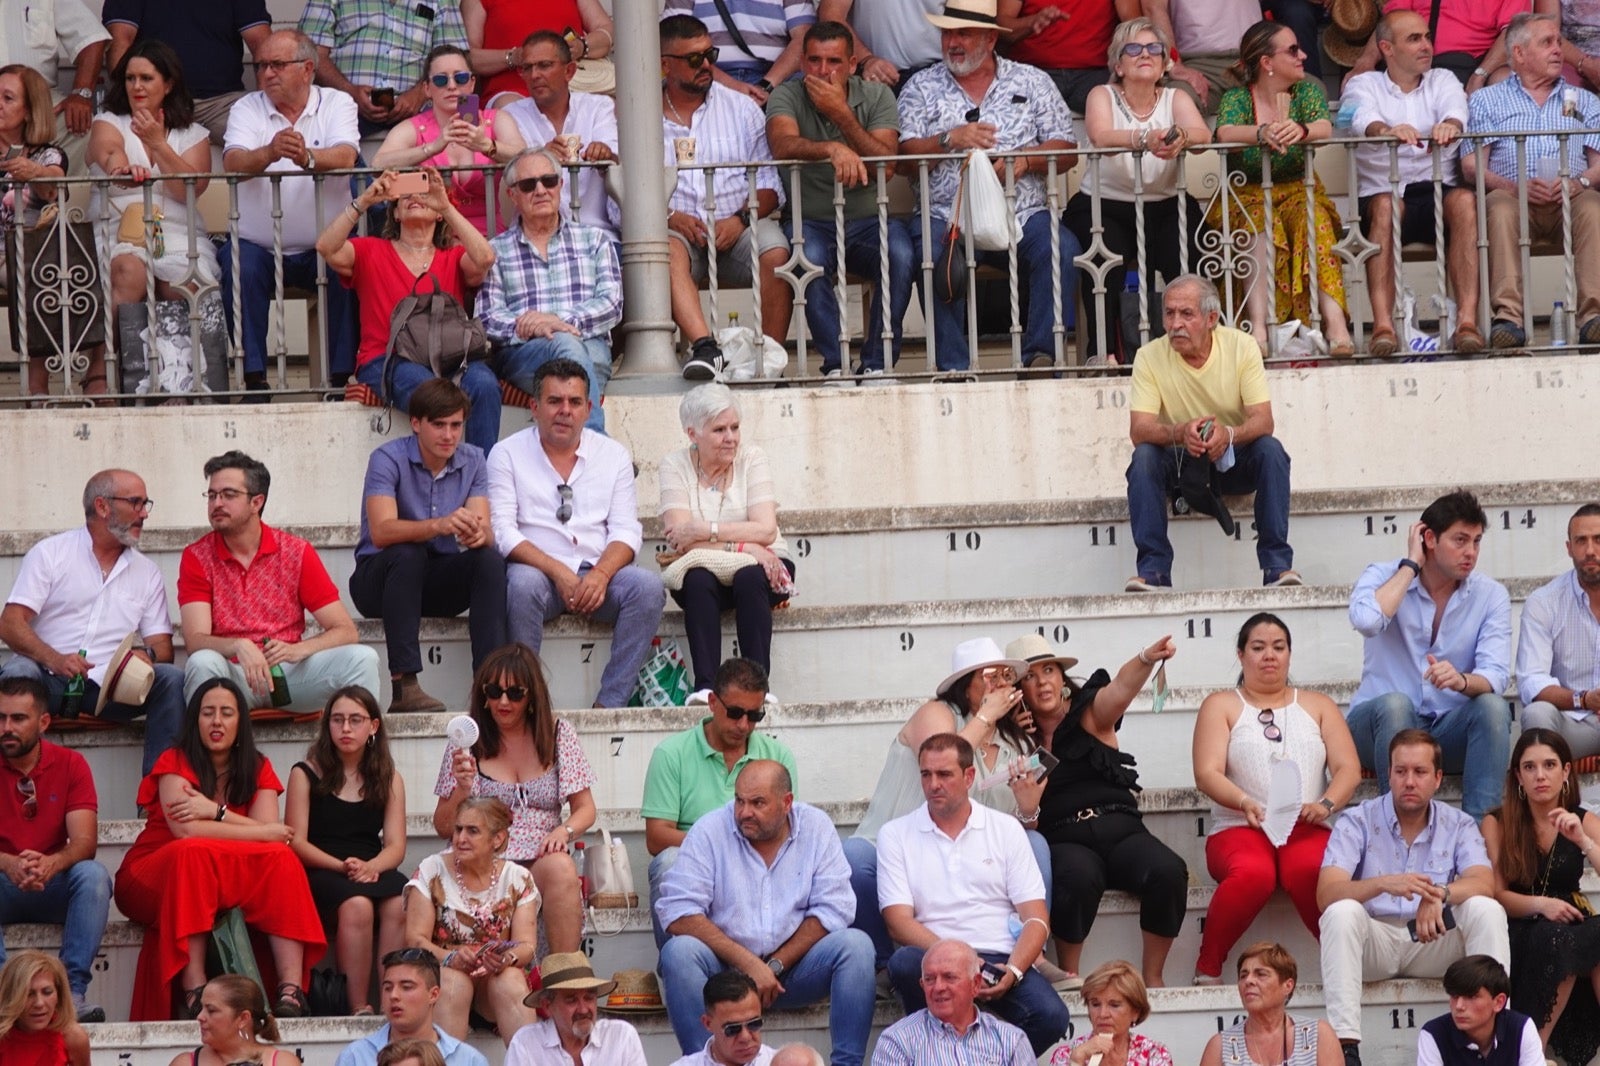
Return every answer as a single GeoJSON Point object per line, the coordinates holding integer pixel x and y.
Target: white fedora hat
{"type": "Point", "coordinates": [965, 14]}
{"type": "Point", "coordinates": [128, 677]}
{"type": "Point", "coordinates": [975, 654]}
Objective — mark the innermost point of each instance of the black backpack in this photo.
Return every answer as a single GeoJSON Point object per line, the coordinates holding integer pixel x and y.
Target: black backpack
{"type": "Point", "coordinates": [432, 329]}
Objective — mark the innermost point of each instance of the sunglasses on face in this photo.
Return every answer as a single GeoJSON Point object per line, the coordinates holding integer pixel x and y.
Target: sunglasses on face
{"type": "Point", "coordinates": [696, 60]}
{"type": "Point", "coordinates": [460, 77]}
{"type": "Point", "coordinates": [514, 693]}
{"type": "Point", "coordinates": [30, 801]}
{"type": "Point", "coordinates": [739, 714]}
{"type": "Point", "coordinates": [564, 512]}
{"type": "Point", "coordinates": [1294, 50]}
{"type": "Point", "coordinates": [1134, 48]}
{"type": "Point", "coordinates": [733, 1029]}
{"type": "Point", "coordinates": [527, 185]}
{"type": "Point", "coordinates": [1269, 725]}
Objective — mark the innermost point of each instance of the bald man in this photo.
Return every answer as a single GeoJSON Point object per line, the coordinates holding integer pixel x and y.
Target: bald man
{"type": "Point", "coordinates": [951, 1026]}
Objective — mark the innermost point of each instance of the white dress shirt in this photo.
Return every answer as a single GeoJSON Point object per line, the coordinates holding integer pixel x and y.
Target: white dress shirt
{"type": "Point", "coordinates": [728, 128]}
{"type": "Point", "coordinates": [703, 1057]}
{"type": "Point", "coordinates": [612, 1043]}
{"type": "Point", "coordinates": [593, 118]}
{"type": "Point", "coordinates": [39, 33]}
{"type": "Point", "coordinates": [329, 120]}
{"type": "Point", "coordinates": [1379, 99]}
{"type": "Point", "coordinates": [524, 496]}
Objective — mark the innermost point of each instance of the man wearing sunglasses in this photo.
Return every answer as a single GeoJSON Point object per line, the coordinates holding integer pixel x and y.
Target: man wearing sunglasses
{"type": "Point", "coordinates": [79, 593]}
{"type": "Point", "coordinates": [733, 1019]}
{"type": "Point", "coordinates": [761, 886]}
{"type": "Point", "coordinates": [49, 827]}
{"type": "Point", "coordinates": [692, 773]}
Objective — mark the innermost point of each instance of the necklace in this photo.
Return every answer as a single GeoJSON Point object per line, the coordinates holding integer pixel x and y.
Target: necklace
{"type": "Point", "coordinates": [674, 109]}
{"type": "Point", "coordinates": [478, 907]}
{"type": "Point", "coordinates": [718, 485]}
{"type": "Point", "coordinates": [1288, 1024]}
{"type": "Point", "coordinates": [1133, 111]}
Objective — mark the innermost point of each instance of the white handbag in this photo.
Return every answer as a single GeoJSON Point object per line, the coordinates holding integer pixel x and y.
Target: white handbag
{"type": "Point", "coordinates": [609, 873]}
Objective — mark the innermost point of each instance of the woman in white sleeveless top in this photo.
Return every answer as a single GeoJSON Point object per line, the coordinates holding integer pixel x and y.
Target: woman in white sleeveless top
{"type": "Point", "coordinates": [1240, 738]}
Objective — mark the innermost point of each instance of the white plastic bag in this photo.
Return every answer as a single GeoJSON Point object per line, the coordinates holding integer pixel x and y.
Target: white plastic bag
{"type": "Point", "coordinates": [1294, 340]}
{"type": "Point", "coordinates": [989, 219]}
{"type": "Point", "coordinates": [739, 359]}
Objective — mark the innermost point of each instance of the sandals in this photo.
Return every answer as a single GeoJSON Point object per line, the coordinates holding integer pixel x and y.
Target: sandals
{"type": "Point", "coordinates": [291, 1002]}
{"type": "Point", "coordinates": [191, 1002]}
{"type": "Point", "coordinates": [1384, 342]}
{"type": "Point", "coordinates": [1468, 339]}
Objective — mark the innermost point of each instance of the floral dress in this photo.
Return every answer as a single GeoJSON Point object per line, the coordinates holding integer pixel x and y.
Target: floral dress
{"type": "Point", "coordinates": [1142, 1051]}
{"type": "Point", "coordinates": [1293, 261]}
{"type": "Point", "coordinates": [463, 917]}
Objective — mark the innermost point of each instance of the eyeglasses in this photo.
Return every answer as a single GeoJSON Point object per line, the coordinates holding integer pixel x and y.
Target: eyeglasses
{"type": "Point", "coordinates": [564, 512]}
{"type": "Point", "coordinates": [213, 495]}
{"type": "Point", "coordinates": [514, 693]}
{"type": "Point", "coordinates": [30, 797]}
{"type": "Point", "coordinates": [350, 721]}
{"type": "Point", "coordinates": [1293, 49]}
{"type": "Point", "coordinates": [733, 1029]}
{"type": "Point", "coordinates": [277, 66]}
{"type": "Point", "coordinates": [460, 77]}
{"type": "Point", "coordinates": [1133, 48]}
{"type": "Point", "coordinates": [739, 714]}
{"type": "Point", "coordinates": [1269, 725]}
{"type": "Point", "coordinates": [696, 60]}
{"type": "Point", "coordinates": [138, 503]}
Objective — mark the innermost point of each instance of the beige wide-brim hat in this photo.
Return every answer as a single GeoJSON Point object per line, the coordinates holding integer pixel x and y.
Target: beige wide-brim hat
{"type": "Point", "coordinates": [1343, 50]}
{"type": "Point", "coordinates": [1035, 649]}
{"type": "Point", "coordinates": [975, 654]}
{"type": "Point", "coordinates": [965, 14]}
{"type": "Point", "coordinates": [637, 992]}
{"type": "Point", "coordinates": [128, 678]}
{"type": "Point", "coordinates": [1356, 19]}
{"type": "Point", "coordinates": [567, 971]}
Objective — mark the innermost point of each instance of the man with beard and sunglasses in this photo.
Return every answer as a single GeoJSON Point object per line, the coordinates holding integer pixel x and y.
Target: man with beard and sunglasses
{"type": "Point", "coordinates": [79, 593]}
{"type": "Point", "coordinates": [692, 773]}
{"type": "Point", "coordinates": [48, 833]}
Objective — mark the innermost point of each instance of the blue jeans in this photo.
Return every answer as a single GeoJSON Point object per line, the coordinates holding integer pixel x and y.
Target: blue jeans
{"type": "Point", "coordinates": [634, 601]}
{"type": "Point", "coordinates": [862, 856]}
{"type": "Point", "coordinates": [1476, 738]}
{"type": "Point", "coordinates": [477, 381]}
{"type": "Point", "coordinates": [1033, 257]}
{"type": "Point", "coordinates": [79, 900]}
{"type": "Point", "coordinates": [660, 863]}
{"type": "Point", "coordinates": [257, 290]}
{"type": "Point", "coordinates": [1262, 467]}
{"type": "Point", "coordinates": [162, 709]}
{"type": "Point", "coordinates": [517, 365]}
{"type": "Point", "coordinates": [861, 257]}
{"type": "Point", "coordinates": [839, 966]}
{"type": "Point", "coordinates": [1031, 1005]}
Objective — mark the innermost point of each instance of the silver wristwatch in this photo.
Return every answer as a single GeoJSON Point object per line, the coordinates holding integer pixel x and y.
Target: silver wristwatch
{"type": "Point", "coordinates": [87, 94]}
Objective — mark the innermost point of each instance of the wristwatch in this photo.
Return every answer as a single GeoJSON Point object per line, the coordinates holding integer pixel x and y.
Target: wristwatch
{"type": "Point", "coordinates": [765, 86]}
{"type": "Point", "coordinates": [1411, 565]}
{"type": "Point", "coordinates": [1015, 972]}
{"type": "Point", "coordinates": [1326, 802]}
{"type": "Point", "coordinates": [776, 965]}
{"type": "Point", "coordinates": [85, 93]}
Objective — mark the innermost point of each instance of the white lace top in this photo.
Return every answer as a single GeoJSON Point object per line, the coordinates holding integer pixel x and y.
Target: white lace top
{"type": "Point", "coordinates": [1250, 756]}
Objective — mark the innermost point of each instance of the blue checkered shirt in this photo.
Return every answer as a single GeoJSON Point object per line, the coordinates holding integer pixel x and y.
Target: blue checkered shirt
{"type": "Point", "coordinates": [1508, 108]}
{"type": "Point", "coordinates": [920, 1039]}
{"type": "Point", "coordinates": [578, 281]}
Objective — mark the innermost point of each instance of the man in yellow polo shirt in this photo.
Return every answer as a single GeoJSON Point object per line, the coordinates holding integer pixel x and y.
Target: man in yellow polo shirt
{"type": "Point", "coordinates": [692, 773]}
{"type": "Point", "coordinates": [1200, 396]}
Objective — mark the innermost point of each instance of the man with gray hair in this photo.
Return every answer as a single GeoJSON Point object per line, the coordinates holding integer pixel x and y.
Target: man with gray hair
{"type": "Point", "coordinates": [78, 595]}
{"type": "Point", "coordinates": [951, 1026]}
{"type": "Point", "coordinates": [798, 1054]}
{"type": "Point", "coordinates": [1201, 423]}
{"type": "Point", "coordinates": [555, 289]}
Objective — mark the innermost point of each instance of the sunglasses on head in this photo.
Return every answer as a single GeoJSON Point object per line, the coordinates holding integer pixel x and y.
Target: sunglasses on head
{"type": "Point", "coordinates": [972, 115]}
{"type": "Point", "coordinates": [696, 60]}
{"type": "Point", "coordinates": [406, 956]}
{"type": "Point", "coordinates": [1133, 48]}
{"type": "Point", "coordinates": [460, 77]}
{"type": "Point", "coordinates": [30, 798]}
{"type": "Point", "coordinates": [527, 185]}
{"type": "Point", "coordinates": [1269, 725]}
{"type": "Point", "coordinates": [733, 1029]}
{"type": "Point", "coordinates": [514, 693]}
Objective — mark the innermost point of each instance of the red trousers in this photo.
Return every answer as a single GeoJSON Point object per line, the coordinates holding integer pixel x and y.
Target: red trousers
{"type": "Point", "coordinates": [1247, 869]}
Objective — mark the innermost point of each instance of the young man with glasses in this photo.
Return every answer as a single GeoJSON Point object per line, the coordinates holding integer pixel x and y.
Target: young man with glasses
{"type": "Point", "coordinates": [566, 517]}
{"type": "Point", "coordinates": [409, 991]}
{"type": "Point", "coordinates": [733, 1021]}
{"type": "Point", "coordinates": [48, 833]}
{"type": "Point", "coordinates": [692, 773]}
{"type": "Point", "coordinates": [79, 593]}
{"type": "Point", "coordinates": [243, 593]}
{"type": "Point", "coordinates": [426, 549]}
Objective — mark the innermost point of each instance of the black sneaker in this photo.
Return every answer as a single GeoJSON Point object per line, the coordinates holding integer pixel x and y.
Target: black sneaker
{"type": "Point", "coordinates": [705, 359]}
{"type": "Point", "coordinates": [1352, 1054]}
{"type": "Point", "coordinates": [1503, 334]}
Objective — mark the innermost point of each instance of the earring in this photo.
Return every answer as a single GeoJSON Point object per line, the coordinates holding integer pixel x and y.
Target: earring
{"type": "Point", "coordinates": [371, 739]}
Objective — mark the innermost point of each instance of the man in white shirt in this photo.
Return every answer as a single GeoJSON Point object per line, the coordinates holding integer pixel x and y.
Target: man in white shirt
{"type": "Point", "coordinates": [733, 1015]}
{"type": "Point", "coordinates": [410, 991]}
{"type": "Point", "coordinates": [1558, 646]}
{"type": "Point", "coordinates": [572, 1031]}
{"type": "Point", "coordinates": [923, 902]}
{"type": "Point", "coordinates": [288, 126]}
{"type": "Point", "coordinates": [1424, 108]}
{"type": "Point", "coordinates": [552, 110]}
{"type": "Point", "coordinates": [1205, 37]}
{"type": "Point", "coordinates": [79, 593]}
{"type": "Point", "coordinates": [38, 33]}
{"type": "Point", "coordinates": [565, 516]}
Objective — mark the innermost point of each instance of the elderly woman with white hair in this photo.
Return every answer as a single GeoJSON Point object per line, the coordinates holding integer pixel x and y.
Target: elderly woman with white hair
{"type": "Point", "coordinates": [720, 519]}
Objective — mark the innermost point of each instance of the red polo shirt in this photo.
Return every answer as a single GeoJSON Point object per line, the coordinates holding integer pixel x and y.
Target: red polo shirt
{"type": "Point", "coordinates": [63, 784]}
{"type": "Point", "coordinates": [269, 600]}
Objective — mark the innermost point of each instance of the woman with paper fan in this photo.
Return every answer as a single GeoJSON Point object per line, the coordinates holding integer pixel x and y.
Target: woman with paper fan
{"type": "Point", "coordinates": [1276, 762]}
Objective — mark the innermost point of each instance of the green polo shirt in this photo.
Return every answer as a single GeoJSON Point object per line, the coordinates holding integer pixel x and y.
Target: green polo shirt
{"type": "Point", "coordinates": [874, 107]}
{"type": "Point", "coordinates": [687, 777]}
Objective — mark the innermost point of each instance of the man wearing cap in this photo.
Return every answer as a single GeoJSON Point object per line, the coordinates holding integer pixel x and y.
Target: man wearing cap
{"type": "Point", "coordinates": [761, 886]}
{"type": "Point", "coordinates": [692, 773]}
{"type": "Point", "coordinates": [1205, 43]}
{"type": "Point", "coordinates": [1199, 405]}
{"type": "Point", "coordinates": [951, 1028]}
{"type": "Point", "coordinates": [49, 829]}
{"type": "Point", "coordinates": [572, 1033]}
{"type": "Point", "coordinates": [733, 1019]}
{"type": "Point", "coordinates": [974, 99]}
{"type": "Point", "coordinates": [79, 594]}
{"type": "Point", "coordinates": [1414, 102]}
{"type": "Point", "coordinates": [410, 990]}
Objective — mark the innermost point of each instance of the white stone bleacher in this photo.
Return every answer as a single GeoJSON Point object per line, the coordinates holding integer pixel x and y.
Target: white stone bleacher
{"type": "Point", "coordinates": [898, 458]}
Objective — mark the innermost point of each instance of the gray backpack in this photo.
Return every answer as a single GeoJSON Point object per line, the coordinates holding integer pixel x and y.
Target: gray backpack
{"type": "Point", "coordinates": [432, 329]}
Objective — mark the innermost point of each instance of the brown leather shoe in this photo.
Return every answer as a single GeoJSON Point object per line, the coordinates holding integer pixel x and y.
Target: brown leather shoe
{"type": "Point", "coordinates": [410, 699]}
{"type": "Point", "coordinates": [1383, 342]}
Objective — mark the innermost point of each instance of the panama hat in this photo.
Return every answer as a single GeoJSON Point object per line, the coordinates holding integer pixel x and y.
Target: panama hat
{"type": "Point", "coordinates": [973, 655]}
{"type": "Point", "coordinates": [128, 677]}
{"type": "Point", "coordinates": [966, 14]}
{"type": "Point", "coordinates": [1351, 22]}
{"type": "Point", "coordinates": [567, 971]}
{"type": "Point", "coordinates": [1035, 649]}
{"type": "Point", "coordinates": [636, 992]}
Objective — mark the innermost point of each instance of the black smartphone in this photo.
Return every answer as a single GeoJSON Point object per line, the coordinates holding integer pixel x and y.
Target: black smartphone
{"type": "Point", "coordinates": [383, 98]}
{"type": "Point", "coordinates": [992, 974]}
{"type": "Point", "coordinates": [1172, 135]}
{"type": "Point", "coordinates": [1449, 923]}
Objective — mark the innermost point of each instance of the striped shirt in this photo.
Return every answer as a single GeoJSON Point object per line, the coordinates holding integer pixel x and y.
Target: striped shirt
{"type": "Point", "coordinates": [924, 1040]}
{"type": "Point", "coordinates": [1508, 108]}
{"type": "Point", "coordinates": [765, 26]}
{"type": "Point", "coordinates": [381, 43]}
{"type": "Point", "coordinates": [577, 280]}
{"type": "Point", "coordinates": [1559, 643]}
{"type": "Point", "coordinates": [728, 128]}
{"type": "Point", "coordinates": [1022, 102]}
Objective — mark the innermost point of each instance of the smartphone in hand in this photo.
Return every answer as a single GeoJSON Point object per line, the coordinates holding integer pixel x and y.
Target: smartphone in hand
{"type": "Point", "coordinates": [409, 183]}
{"type": "Point", "coordinates": [469, 108]}
{"type": "Point", "coordinates": [1449, 923]}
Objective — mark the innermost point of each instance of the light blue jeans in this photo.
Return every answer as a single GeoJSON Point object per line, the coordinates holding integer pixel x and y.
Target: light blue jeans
{"type": "Point", "coordinates": [311, 680]}
{"type": "Point", "coordinates": [634, 601]}
{"type": "Point", "coordinates": [1476, 738]}
{"type": "Point", "coordinates": [659, 865]}
{"type": "Point", "coordinates": [517, 365]}
{"type": "Point", "coordinates": [839, 967]}
{"type": "Point", "coordinates": [79, 900]}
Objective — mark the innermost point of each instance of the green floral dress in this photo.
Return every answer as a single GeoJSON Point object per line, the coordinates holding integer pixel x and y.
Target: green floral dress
{"type": "Point", "coordinates": [1293, 259]}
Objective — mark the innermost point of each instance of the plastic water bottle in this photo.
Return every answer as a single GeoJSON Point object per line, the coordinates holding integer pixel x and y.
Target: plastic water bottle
{"type": "Point", "coordinates": [579, 860]}
{"type": "Point", "coordinates": [1558, 325]}
{"type": "Point", "coordinates": [1344, 122]}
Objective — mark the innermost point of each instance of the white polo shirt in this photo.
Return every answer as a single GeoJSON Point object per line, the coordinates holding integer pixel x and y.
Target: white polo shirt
{"type": "Point", "coordinates": [703, 1057]}
{"type": "Point", "coordinates": [1379, 99]}
{"type": "Point", "coordinates": [59, 581]}
{"type": "Point", "coordinates": [966, 888]}
{"type": "Point", "coordinates": [593, 118]}
{"type": "Point", "coordinates": [328, 121]}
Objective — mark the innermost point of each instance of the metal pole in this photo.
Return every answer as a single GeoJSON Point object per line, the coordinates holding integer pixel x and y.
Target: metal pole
{"type": "Point", "coordinates": [650, 364]}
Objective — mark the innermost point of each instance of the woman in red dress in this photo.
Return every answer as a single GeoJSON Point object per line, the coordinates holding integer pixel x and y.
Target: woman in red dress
{"type": "Point", "coordinates": [36, 1023]}
{"type": "Point", "coordinates": [214, 841]}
